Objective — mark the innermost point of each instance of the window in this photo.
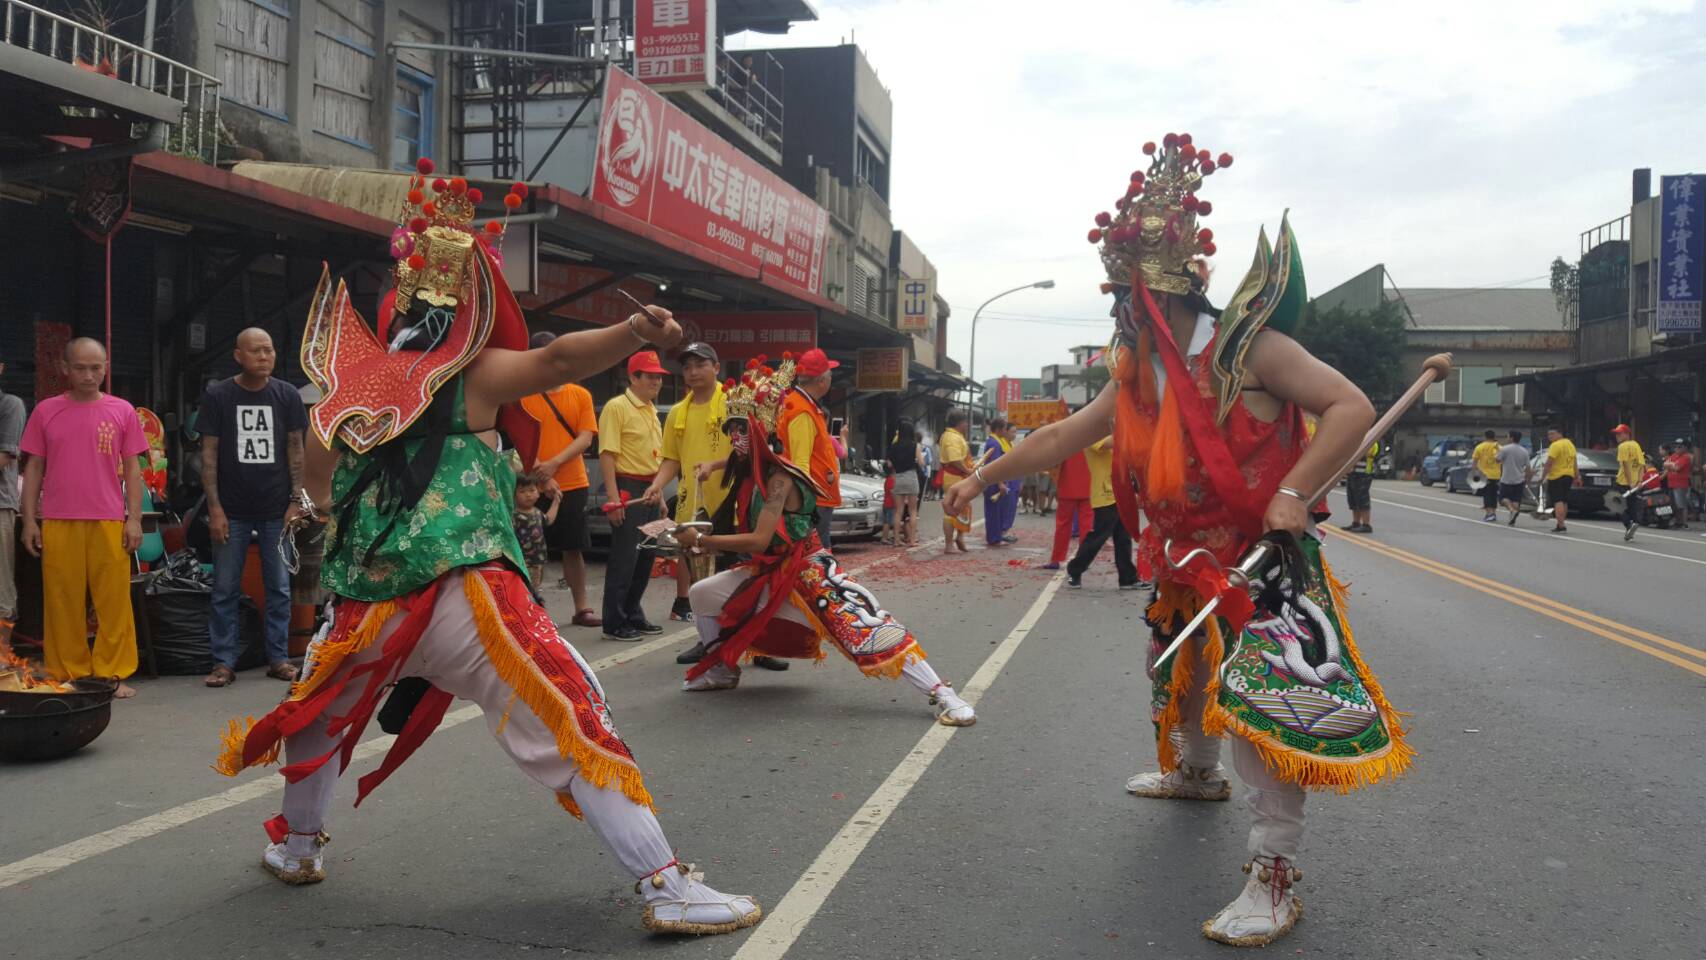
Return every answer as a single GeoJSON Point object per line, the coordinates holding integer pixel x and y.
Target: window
{"type": "Point", "coordinates": [1476, 391]}
{"type": "Point", "coordinates": [251, 41]}
{"type": "Point", "coordinates": [343, 70]}
{"type": "Point", "coordinates": [871, 168]}
{"type": "Point", "coordinates": [412, 135]}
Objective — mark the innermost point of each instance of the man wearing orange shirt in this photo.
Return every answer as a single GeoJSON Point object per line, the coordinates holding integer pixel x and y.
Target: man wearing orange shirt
{"type": "Point", "coordinates": [567, 429]}
{"type": "Point", "coordinates": [807, 442]}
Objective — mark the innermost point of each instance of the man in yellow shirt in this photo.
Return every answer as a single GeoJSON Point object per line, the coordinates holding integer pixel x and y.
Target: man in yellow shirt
{"type": "Point", "coordinates": [1100, 457]}
{"type": "Point", "coordinates": [630, 452]}
{"type": "Point", "coordinates": [692, 435]}
{"type": "Point", "coordinates": [1560, 475]}
{"type": "Point", "coordinates": [1631, 466]}
{"type": "Point", "coordinates": [1486, 459]}
{"type": "Point", "coordinates": [957, 464]}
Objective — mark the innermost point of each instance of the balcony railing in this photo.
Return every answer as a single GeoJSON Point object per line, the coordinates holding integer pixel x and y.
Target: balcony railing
{"type": "Point", "coordinates": [749, 84]}
{"type": "Point", "coordinates": [750, 89]}
{"type": "Point", "coordinates": [195, 134]}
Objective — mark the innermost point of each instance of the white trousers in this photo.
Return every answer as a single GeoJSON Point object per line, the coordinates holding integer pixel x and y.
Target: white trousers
{"type": "Point", "coordinates": [1276, 807]}
{"type": "Point", "coordinates": [450, 655]}
{"type": "Point", "coordinates": [708, 596]}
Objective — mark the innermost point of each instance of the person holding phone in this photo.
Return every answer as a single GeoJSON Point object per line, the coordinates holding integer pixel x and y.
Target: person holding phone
{"type": "Point", "coordinates": [809, 440]}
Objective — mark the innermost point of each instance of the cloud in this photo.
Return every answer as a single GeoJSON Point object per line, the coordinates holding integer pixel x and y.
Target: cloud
{"type": "Point", "coordinates": [1459, 143]}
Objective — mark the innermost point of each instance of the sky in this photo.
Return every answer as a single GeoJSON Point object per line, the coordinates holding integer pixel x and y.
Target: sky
{"type": "Point", "coordinates": [1461, 144]}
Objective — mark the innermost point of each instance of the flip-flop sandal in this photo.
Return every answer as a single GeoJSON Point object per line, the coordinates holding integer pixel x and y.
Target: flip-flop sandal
{"type": "Point", "coordinates": [283, 671]}
{"type": "Point", "coordinates": [222, 676]}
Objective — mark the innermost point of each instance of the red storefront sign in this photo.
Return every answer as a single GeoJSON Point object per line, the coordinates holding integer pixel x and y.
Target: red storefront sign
{"type": "Point", "coordinates": [742, 336]}
{"type": "Point", "coordinates": [1008, 390]}
{"type": "Point", "coordinates": [604, 306]}
{"type": "Point", "coordinates": [675, 43]}
{"type": "Point", "coordinates": [660, 165]}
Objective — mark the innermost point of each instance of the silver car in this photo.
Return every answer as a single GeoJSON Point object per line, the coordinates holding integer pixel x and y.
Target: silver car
{"type": "Point", "coordinates": [860, 516]}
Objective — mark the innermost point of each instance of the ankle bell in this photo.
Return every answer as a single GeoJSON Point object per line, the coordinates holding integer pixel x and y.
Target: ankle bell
{"type": "Point", "coordinates": [656, 877]}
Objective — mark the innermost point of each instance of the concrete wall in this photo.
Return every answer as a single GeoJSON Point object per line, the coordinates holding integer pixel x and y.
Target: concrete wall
{"type": "Point", "coordinates": [1504, 350]}
{"type": "Point", "coordinates": [290, 135]}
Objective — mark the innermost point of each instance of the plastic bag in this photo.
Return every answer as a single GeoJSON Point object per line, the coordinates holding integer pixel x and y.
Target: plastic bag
{"type": "Point", "coordinates": [180, 605]}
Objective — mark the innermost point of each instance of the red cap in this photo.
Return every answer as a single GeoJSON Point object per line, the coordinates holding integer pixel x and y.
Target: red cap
{"type": "Point", "coordinates": [1622, 428]}
{"type": "Point", "coordinates": [646, 361]}
{"type": "Point", "coordinates": [815, 363]}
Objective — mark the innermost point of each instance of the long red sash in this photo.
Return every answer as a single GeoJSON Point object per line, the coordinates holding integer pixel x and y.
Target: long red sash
{"type": "Point", "coordinates": [1223, 472]}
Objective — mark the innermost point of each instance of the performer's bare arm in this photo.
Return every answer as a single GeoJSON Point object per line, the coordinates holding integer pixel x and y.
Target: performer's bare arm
{"type": "Point", "coordinates": [778, 494]}
{"type": "Point", "coordinates": [497, 377]}
{"type": "Point", "coordinates": [1042, 449]}
{"type": "Point", "coordinates": [1279, 367]}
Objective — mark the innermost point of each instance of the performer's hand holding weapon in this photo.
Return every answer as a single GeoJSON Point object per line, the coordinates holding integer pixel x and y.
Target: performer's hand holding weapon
{"type": "Point", "coordinates": [1247, 572]}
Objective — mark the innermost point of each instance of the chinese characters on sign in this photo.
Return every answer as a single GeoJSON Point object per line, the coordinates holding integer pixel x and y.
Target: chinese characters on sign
{"type": "Point", "coordinates": [1031, 414]}
{"type": "Point", "coordinates": [915, 298]}
{"type": "Point", "coordinates": [660, 165]}
{"type": "Point", "coordinates": [603, 306]}
{"type": "Point", "coordinates": [742, 336]}
{"type": "Point", "coordinates": [1681, 248]}
{"type": "Point", "coordinates": [675, 43]}
{"type": "Point", "coordinates": [1008, 390]}
{"type": "Point", "coordinates": [880, 370]}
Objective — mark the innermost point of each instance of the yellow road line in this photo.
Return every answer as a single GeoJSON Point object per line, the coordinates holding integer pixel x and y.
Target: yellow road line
{"type": "Point", "coordinates": [1557, 611]}
{"type": "Point", "coordinates": [1545, 601]}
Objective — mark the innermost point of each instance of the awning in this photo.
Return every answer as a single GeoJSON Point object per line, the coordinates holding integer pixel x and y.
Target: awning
{"type": "Point", "coordinates": [1694, 353]}
{"type": "Point", "coordinates": [173, 186]}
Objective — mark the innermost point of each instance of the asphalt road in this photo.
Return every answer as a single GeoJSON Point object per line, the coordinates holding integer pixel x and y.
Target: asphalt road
{"type": "Point", "coordinates": [1555, 684]}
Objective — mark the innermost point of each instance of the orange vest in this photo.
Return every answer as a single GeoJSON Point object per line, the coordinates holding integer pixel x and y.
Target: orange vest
{"type": "Point", "coordinates": [826, 466]}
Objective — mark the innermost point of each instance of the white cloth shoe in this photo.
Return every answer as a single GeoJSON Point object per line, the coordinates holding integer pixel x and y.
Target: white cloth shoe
{"type": "Point", "coordinates": [1266, 909]}
{"type": "Point", "coordinates": [719, 677]}
{"type": "Point", "coordinates": [292, 869]}
{"type": "Point", "coordinates": [679, 901]}
{"type": "Point", "coordinates": [1185, 783]}
{"type": "Point", "coordinates": [951, 711]}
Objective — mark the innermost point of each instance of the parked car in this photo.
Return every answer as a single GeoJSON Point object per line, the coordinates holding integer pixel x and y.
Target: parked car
{"type": "Point", "coordinates": [1595, 494]}
{"type": "Point", "coordinates": [860, 516]}
{"type": "Point", "coordinates": [1444, 455]}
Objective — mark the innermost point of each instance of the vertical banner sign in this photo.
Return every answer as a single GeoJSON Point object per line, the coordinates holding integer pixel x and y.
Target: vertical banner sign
{"type": "Point", "coordinates": [1681, 250]}
{"type": "Point", "coordinates": [915, 299]}
{"type": "Point", "coordinates": [1008, 391]}
{"type": "Point", "coordinates": [659, 165]}
{"type": "Point", "coordinates": [880, 370]}
{"type": "Point", "coordinates": [675, 43]}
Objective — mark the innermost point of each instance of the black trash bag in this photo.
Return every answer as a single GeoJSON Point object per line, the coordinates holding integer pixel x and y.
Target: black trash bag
{"type": "Point", "coordinates": [180, 605]}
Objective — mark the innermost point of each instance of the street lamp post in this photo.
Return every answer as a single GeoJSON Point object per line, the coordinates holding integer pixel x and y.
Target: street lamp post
{"type": "Point", "coordinates": [972, 360]}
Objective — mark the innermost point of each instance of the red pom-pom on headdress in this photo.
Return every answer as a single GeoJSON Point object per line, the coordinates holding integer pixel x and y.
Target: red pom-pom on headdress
{"type": "Point", "coordinates": [494, 228]}
{"type": "Point", "coordinates": [1226, 159]}
{"type": "Point", "coordinates": [415, 197]}
{"type": "Point", "coordinates": [1095, 235]}
{"type": "Point", "coordinates": [519, 189]}
{"type": "Point", "coordinates": [439, 185]}
{"type": "Point", "coordinates": [458, 185]}
{"type": "Point", "coordinates": [474, 195]}
{"type": "Point", "coordinates": [512, 201]}
{"type": "Point", "coordinates": [417, 262]}
{"type": "Point", "coordinates": [424, 165]}
{"type": "Point", "coordinates": [1149, 149]}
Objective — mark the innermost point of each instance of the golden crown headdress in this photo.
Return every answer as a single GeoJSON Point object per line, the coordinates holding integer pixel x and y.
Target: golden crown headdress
{"type": "Point", "coordinates": [434, 240]}
{"type": "Point", "coordinates": [759, 392]}
{"type": "Point", "coordinates": [1153, 233]}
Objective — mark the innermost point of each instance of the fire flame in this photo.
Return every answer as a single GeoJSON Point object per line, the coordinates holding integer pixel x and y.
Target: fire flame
{"type": "Point", "coordinates": [18, 674]}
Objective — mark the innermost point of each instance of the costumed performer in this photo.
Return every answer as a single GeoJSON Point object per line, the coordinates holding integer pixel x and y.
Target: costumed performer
{"type": "Point", "coordinates": [1206, 410]}
{"type": "Point", "coordinates": [792, 595]}
{"type": "Point", "coordinates": [429, 581]}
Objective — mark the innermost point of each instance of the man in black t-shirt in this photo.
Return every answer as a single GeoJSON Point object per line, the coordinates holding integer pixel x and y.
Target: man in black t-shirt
{"type": "Point", "coordinates": [252, 430]}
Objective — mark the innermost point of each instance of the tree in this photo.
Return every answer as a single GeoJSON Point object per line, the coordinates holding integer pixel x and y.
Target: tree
{"type": "Point", "coordinates": [1364, 345]}
{"type": "Point", "coordinates": [1566, 281]}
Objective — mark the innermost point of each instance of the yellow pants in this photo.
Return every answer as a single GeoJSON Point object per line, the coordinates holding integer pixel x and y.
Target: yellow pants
{"type": "Point", "coordinates": [82, 559]}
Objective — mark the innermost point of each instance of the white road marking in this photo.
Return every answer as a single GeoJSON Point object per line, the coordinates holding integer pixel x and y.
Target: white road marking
{"type": "Point", "coordinates": [1540, 533]}
{"type": "Point", "coordinates": [106, 841]}
{"type": "Point", "coordinates": [94, 845]}
{"type": "Point", "coordinates": [773, 938]}
{"type": "Point", "coordinates": [1643, 533]}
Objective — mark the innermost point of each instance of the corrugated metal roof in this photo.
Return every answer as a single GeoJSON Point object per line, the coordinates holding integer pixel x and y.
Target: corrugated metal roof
{"type": "Point", "coordinates": [1477, 308]}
